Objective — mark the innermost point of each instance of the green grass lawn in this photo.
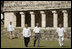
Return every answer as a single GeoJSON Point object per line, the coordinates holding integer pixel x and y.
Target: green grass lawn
{"type": "Point", "coordinates": [19, 43]}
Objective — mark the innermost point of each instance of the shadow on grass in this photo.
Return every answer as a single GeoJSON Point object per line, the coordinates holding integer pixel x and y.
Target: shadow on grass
{"type": "Point", "coordinates": [65, 46]}
{"type": "Point", "coordinates": [36, 46]}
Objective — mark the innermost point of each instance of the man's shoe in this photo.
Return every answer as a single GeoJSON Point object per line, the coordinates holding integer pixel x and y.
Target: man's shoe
{"type": "Point", "coordinates": [62, 45]}
{"type": "Point", "coordinates": [34, 45]}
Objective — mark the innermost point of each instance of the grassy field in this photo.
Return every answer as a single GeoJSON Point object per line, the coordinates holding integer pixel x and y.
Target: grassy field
{"type": "Point", "coordinates": [19, 43]}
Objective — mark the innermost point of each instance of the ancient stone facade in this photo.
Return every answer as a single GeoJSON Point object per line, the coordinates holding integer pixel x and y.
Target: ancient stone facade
{"type": "Point", "coordinates": [48, 16]}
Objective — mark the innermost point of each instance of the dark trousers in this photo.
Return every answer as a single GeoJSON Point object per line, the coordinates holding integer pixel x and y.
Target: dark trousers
{"type": "Point", "coordinates": [37, 37]}
{"type": "Point", "coordinates": [26, 41]}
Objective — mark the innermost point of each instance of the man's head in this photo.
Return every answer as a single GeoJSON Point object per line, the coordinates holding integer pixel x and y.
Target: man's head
{"type": "Point", "coordinates": [37, 24]}
{"type": "Point", "coordinates": [10, 23]}
{"type": "Point", "coordinates": [60, 25]}
{"type": "Point", "coordinates": [26, 25]}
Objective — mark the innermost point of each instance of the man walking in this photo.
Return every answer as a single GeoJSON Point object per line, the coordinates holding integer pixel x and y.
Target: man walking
{"type": "Point", "coordinates": [60, 31]}
{"type": "Point", "coordinates": [26, 34]}
{"type": "Point", "coordinates": [37, 34]}
{"type": "Point", "coordinates": [10, 28]}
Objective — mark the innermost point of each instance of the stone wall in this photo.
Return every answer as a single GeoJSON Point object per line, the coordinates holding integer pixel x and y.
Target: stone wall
{"type": "Point", "coordinates": [46, 34]}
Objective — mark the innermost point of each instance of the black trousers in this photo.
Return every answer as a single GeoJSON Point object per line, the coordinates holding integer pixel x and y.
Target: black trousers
{"type": "Point", "coordinates": [26, 41]}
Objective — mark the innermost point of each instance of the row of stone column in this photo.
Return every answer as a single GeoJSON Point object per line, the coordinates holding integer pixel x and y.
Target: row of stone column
{"type": "Point", "coordinates": [65, 18]}
{"type": "Point", "coordinates": [55, 16]}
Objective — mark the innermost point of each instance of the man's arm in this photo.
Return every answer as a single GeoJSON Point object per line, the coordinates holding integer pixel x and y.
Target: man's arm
{"type": "Point", "coordinates": [40, 33]}
{"type": "Point", "coordinates": [64, 33]}
{"type": "Point", "coordinates": [13, 28]}
{"type": "Point", "coordinates": [57, 34]}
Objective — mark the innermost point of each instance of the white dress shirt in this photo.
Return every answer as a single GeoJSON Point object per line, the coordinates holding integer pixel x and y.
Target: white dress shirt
{"type": "Point", "coordinates": [36, 29]}
{"type": "Point", "coordinates": [10, 28]}
{"type": "Point", "coordinates": [60, 31]}
{"type": "Point", "coordinates": [26, 32]}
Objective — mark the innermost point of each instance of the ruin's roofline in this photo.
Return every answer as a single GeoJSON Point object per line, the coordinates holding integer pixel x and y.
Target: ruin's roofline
{"type": "Point", "coordinates": [31, 5]}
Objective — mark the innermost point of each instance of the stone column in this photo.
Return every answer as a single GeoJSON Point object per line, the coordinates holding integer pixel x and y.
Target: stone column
{"type": "Point", "coordinates": [43, 18]}
{"type": "Point", "coordinates": [65, 18]}
{"type": "Point", "coordinates": [22, 19]}
{"type": "Point", "coordinates": [55, 16]}
{"type": "Point", "coordinates": [32, 19]}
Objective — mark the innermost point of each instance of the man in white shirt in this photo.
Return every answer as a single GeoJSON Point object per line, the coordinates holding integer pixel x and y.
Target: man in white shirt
{"type": "Point", "coordinates": [26, 34]}
{"type": "Point", "coordinates": [37, 34]}
{"type": "Point", "coordinates": [10, 28]}
{"type": "Point", "coordinates": [61, 33]}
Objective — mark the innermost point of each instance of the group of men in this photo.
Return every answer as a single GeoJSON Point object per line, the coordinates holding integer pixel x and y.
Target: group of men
{"type": "Point", "coordinates": [27, 34]}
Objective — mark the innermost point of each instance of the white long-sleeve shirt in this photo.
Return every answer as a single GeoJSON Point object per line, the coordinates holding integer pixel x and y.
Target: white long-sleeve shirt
{"type": "Point", "coordinates": [10, 28]}
{"type": "Point", "coordinates": [36, 29]}
{"type": "Point", "coordinates": [26, 32]}
{"type": "Point", "coordinates": [60, 31]}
